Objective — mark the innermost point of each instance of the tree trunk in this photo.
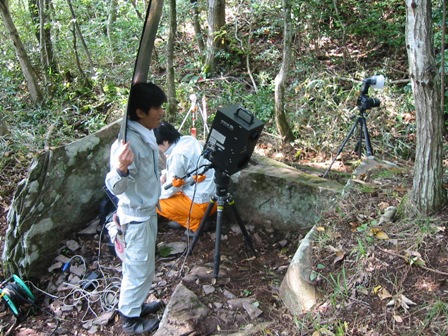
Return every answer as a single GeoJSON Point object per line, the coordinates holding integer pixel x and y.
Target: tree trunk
{"type": "Point", "coordinates": [39, 12]}
{"type": "Point", "coordinates": [428, 194]}
{"type": "Point", "coordinates": [216, 21]}
{"type": "Point", "coordinates": [280, 80]}
{"type": "Point", "coordinates": [76, 54]}
{"type": "Point", "coordinates": [139, 15]}
{"type": "Point", "coordinates": [171, 87]}
{"type": "Point", "coordinates": [197, 28]}
{"type": "Point", "coordinates": [83, 42]}
{"type": "Point", "coordinates": [46, 47]}
{"type": "Point", "coordinates": [33, 6]}
{"type": "Point", "coordinates": [111, 18]}
{"type": "Point", "coordinates": [25, 63]}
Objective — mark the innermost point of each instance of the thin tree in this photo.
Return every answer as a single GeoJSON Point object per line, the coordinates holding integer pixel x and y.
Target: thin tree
{"type": "Point", "coordinates": [428, 195]}
{"type": "Point", "coordinates": [46, 47]}
{"type": "Point", "coordinates": [78, 32]}
{"type": "Point", "coordinates": [25, 63]}
{"type": "Point", "coordinates": [280, 80]}
{"type": "Point", "coordinates": [40, 15]}
{"type": "Point", "coordinates": [442, 66]}
{"type": "Point", "coordinates": [111, 18]}
{"type": "Point", "coordinates": [197, 27]}
{"type": "Point", "coordinates": [216, 22]}
{"type": "Point", "coordinates": [76, 54]}
{"type": "Point", "coordinates": [139, 15]}
{"type": "Point", "coordinates": [170, 82]}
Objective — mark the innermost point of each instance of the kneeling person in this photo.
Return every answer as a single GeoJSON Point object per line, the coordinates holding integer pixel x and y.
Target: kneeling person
{"type": "Point", "coordinates": [185, 204]}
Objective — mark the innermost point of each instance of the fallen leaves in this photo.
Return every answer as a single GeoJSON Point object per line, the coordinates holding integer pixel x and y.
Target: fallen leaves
{"type": "Point", "coordinates": [339, 252]}
{"type": "Point", "coordinates": [402, 301]}
{"type": "Point", "coordinates": [323, 332]}
{"type": "Point", "coordinates": [382, 292]}
{"type": "Point", "coordinates": [398, 300]}
{"type": "Point", "coordinates": [372, 229]}
{"type": "Point", "coordinates": [378, 233]}
{"type": "Point", "coordinates": [377, 266]}
{"type": "Point", "coordinates": [383, 205]}
{"type": "Point", "coordinates": [414, 258]}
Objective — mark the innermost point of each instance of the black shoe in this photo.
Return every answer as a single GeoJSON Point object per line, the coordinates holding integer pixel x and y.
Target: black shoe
{"type": "Point", "coordinates": [151, 308]}
{"type": "Point", "coordinates": [138, 325]}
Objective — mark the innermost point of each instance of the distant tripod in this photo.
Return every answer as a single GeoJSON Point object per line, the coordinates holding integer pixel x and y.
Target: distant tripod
{"type": "Point", "coordinates": [363, 133]}
{"type": "Point", "coordinates": [194, 109]}
{"type": "Point", "coordinates": [223, 198]}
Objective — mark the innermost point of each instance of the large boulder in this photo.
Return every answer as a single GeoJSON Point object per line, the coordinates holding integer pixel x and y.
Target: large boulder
{"type": "Point", "coordinates": [59, 197]}
{"type": "Point", "coordinates": [272, 193]}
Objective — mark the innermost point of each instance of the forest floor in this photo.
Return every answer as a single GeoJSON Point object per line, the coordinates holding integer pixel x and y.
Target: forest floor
{"type": "Point", "coordinates": [380, 275]}
{"type": "Point", "coordinates": [388, 278]}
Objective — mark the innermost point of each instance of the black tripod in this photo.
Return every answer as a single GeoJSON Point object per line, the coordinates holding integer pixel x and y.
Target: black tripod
{"type": "Point", "coordinates": [222, 197]}
{"type": "Point", "coordinates": [363, 133]}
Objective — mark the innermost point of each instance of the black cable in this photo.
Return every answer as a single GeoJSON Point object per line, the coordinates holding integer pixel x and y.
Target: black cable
{"type": "Point", "coordinates": [19, 296]}
{"type": "Point", "coordinates": [15, 297]}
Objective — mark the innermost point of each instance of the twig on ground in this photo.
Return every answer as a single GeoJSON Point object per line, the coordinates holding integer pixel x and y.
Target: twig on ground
{"type": "Point", "coordinates": [407, 259]}
{"type": "Point", "coordinates": [272, 135]}
{"type": "Point", "coordinates": [11, 330]}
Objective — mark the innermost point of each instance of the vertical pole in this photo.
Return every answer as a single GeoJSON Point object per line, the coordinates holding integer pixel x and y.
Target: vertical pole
{"type": "Point", "coordinates": [141, 67]}
{"type": "Point", "coordinates": [217, 257]}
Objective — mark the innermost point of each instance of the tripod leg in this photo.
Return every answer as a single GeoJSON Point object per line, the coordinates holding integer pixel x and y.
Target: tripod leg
{"type": "Point", "coordinates": [217, 257]}
{"type": "Point", "coordinates": [204, 119]}
{"type": "Point", "coordinates": [369, 149]}
{"type": "Point", "coordinates": [342, 147]}
{"type": "Point", "coordinates": [185, 119]}
{"type": "Point", "coordinates": [358, 147]}
{"type": "Point", "coordinates": [201, 226]}
{"type": "Point", "coordinates": [247, 239]}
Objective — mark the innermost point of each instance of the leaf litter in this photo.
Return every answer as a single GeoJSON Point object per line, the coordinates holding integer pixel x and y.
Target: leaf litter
{"type": "Point", "coordinates": [391, 269]}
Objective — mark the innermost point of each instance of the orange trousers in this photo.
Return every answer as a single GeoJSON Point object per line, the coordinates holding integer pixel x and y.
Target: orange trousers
{"type": "Point", "coordinates": [177, 208]}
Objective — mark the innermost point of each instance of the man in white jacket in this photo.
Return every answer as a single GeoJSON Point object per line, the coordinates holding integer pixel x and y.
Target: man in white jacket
{"type": "Point", "coordinates": [184, 204]}
{"type": "Point", "coordinates": [134, 179]}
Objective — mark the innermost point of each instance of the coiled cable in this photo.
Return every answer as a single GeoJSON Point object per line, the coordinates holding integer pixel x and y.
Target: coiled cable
{"type": "Point", "coordinates": [15, 293]}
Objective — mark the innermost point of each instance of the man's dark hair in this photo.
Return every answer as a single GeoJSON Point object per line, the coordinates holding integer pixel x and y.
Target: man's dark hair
{"type": "Point", "coordinates": [144, 96]}
{"type": "Point", "coordinates": [166, 132]}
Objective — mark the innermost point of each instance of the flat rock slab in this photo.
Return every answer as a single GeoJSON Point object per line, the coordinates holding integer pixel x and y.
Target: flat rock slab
{"type": "Point", "coordinates": [182, 314]}
{"type": "Point", "coordinates": [273, 193]}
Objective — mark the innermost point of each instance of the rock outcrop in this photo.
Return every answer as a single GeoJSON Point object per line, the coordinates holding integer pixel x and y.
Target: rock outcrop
{"type": "Point", "coordinates": [60, 195]}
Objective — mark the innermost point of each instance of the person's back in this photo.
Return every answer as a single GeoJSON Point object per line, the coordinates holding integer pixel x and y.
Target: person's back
{"type": "Point", "coordinates": [188, 150]}
{"type": "Point", "coordinates": [184, 204]}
